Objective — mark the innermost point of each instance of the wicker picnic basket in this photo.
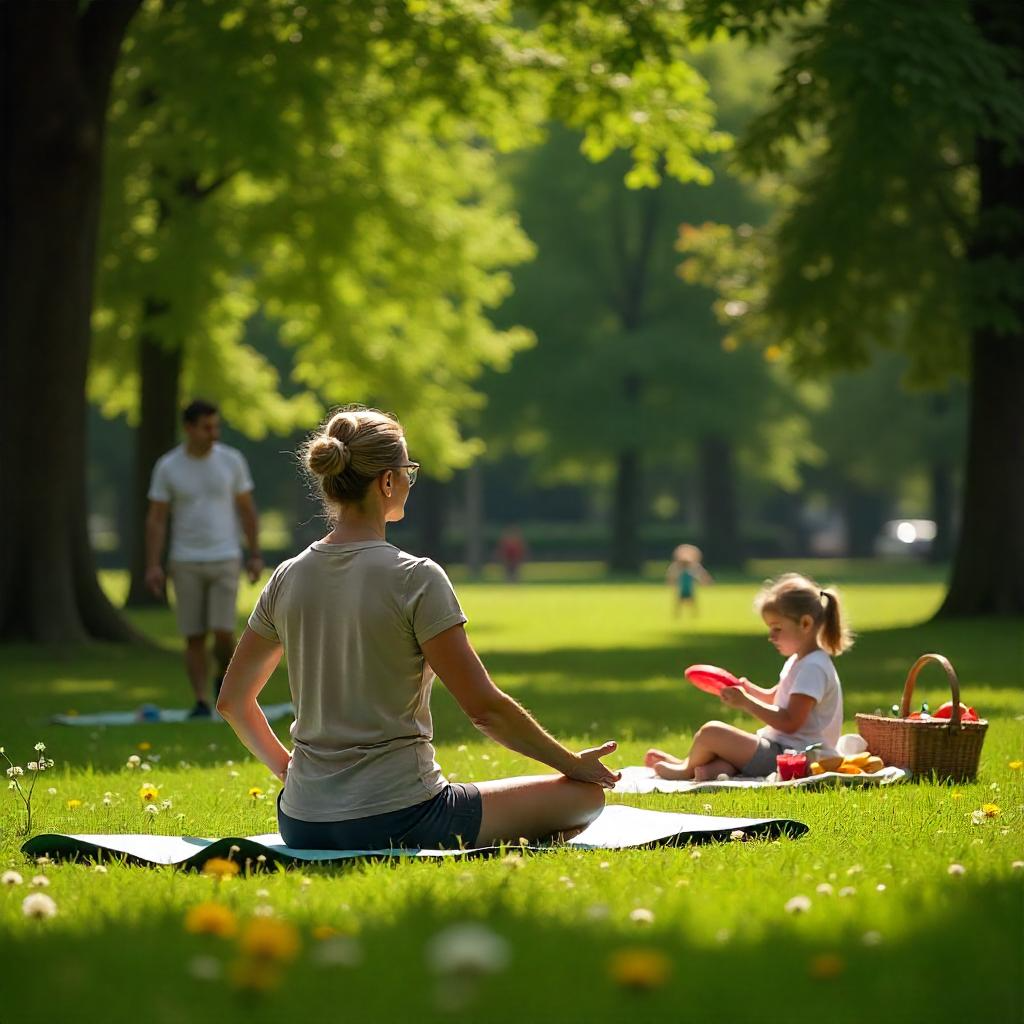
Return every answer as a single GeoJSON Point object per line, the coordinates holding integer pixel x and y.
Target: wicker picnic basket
{"type": "Point", "coordinates": [949, 749]}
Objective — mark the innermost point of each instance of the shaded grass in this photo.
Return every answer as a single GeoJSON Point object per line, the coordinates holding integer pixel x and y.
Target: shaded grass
{"type": "Point", "coordinates": [593, 661]}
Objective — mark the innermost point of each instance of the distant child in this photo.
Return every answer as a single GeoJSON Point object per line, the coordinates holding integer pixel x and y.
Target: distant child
{"type": "Point", "coordinates": [684, 573]}
{"type": "Point", "coordinates": [512, 552]}
{"type": "Point", "coordinates": [805, 625]}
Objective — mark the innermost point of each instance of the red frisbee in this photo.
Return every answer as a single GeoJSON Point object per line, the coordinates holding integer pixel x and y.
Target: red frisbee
{"type": "Point", "coordinates": [710, 678]}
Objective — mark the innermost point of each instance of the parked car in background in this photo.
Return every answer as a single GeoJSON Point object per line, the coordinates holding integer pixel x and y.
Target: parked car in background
{"type": "Point", "coordinates": [905, 538]}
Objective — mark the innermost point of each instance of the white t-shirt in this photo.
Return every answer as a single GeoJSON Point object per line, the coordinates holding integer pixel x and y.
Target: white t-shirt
{"type": "Point", "coordinates": [352, 619]}
{"type": "Point", "coordinates": [816, 676]}
{"type": "Point", "coordinates": [201, 492]}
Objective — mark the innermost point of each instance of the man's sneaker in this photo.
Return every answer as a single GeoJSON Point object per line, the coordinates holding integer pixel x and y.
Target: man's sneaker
{"type": "Point", "coordinates": [201, 710]}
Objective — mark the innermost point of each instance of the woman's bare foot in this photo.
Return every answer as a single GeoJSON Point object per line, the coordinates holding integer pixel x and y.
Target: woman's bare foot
{"type": "Point", "coordinates": [672, 770]}
{"type": "Point", "coordinates": [653, 756]}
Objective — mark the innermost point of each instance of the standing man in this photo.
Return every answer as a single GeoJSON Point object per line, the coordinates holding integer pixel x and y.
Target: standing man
{"type": "Point", "coordinates": [207, 488]}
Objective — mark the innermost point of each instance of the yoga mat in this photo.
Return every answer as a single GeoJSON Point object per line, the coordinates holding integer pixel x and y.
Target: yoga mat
{"type": "Point", "coordinates": [617, 827]}
{"type": "Point", "coordinates": [272, 711]}
{"type": "Point", "coordinates": [638, 779]}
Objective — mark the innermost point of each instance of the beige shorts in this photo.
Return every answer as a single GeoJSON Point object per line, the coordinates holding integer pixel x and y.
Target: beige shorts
{"type": "Point", "coordinates": [205, 595]}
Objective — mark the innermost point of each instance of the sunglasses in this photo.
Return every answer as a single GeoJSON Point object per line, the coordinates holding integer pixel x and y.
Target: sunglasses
{"type": "Point", "coordinates": [413, 470]}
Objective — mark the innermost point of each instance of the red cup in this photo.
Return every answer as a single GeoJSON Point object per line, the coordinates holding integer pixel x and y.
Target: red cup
{"type": "Point", "coordinates": [791, 766]}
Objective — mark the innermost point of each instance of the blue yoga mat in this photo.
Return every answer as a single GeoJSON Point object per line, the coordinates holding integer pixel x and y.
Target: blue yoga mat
{"type": "Point", "coordinates": [617, 827]}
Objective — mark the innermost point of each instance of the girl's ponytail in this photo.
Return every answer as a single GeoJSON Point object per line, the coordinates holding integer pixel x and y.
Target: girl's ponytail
{"type": "Point", "coordinates": [795, 596]}
{"type": "Point", "coordinates": [834, 636]}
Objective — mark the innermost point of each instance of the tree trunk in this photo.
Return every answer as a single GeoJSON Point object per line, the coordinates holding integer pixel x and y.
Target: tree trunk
{"type": "Point", "coordinates": [625, 555]}
{"type": "Point", "coordinates": [942, 512]}
{"type": "Point", "coordinates": [719, 517]}
{"type": "Point", "coordinates": [474, 520]}
{"type": "Point", "coordinates": [159, 377]}
{"type": "Point", "coordinates": [864, 511]}
{"type": "Point", "coordinates": [988, 567]}
{"type": "Point", "coordinates": [57, 68]}
{"type": "Point", "coordinates": [430, 499]}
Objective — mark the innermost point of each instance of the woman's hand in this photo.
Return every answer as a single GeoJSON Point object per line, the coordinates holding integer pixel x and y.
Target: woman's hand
{"type": "Point", "coordinates": [587, 766]}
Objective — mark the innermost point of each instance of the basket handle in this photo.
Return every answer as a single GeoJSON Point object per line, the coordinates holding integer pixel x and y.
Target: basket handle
{"type": "Point", "coordinates": [954, 685]}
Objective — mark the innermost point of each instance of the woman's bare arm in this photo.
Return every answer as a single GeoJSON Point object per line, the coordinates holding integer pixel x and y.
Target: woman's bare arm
{"type": "Point", "coordinates": [252, 664]}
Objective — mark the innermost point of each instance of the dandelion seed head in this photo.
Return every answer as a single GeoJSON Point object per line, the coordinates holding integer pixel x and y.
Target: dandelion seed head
{"type": "Point", "coordinates": [39, 906]}
{"type": "Point", "coordinates": [798, 905]}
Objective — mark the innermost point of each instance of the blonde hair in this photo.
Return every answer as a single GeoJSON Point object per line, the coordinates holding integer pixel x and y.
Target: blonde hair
{"type": "Point", "coordinates": [349, 450]}
{"type": "Point", "coordinates": [794, 596]}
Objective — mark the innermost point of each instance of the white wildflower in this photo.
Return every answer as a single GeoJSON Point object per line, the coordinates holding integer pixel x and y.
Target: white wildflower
{"type": "Point", "coordinates": [737, 835]}
{"type": "Point", "coordinates": [880, 887]}
{"type": "Point", "coordinates": [100, 869]}
{"type": "Point", "coordinates": [145, 767]}
{"type": "Point", "coordinates": [11, 878]}
{"type": "Point", "coordinates": [798, 905]}
{"type": "Point", "coordinates": [40, 747]}
{"type": "Point", "coordinates": [339, 951]}
{"type": "Point", "coordinates": [51, 790]}
{"type": "Point", "coordinates": [847, 890]}
{"type": "Point", "coordinates": [641, 915]}
{"type": "Point", "coordinates": [38, 905]}
{"type": "Point", "coordinates": [467, 949]}
{"type": "Point", "coordinates": [205, 968]}
{"type": "Point", "coordinates": [39, 882]}
{"type": "Point", "coordinates": [956, 869]}
{"type": "Point", "coordinates": [152, 809]}
{"type": "Point", "coordinates": [824, 889]}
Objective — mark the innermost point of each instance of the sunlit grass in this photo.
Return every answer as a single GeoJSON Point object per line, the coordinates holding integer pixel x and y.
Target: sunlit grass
{"type": "Point", "coordinates": [594, 660]}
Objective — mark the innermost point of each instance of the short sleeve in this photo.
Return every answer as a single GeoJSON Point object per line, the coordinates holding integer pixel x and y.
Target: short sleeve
{"type": "Point", "coordinates": [262, 619]}
{"type": "Point", "coordinates": [811, 680]}
{"type": "Point", "coordinates": [159, 485]}
{"type": "Point", "coordinates": [431, 604]}
{"type": "Point", "coordinates": [242, 482]}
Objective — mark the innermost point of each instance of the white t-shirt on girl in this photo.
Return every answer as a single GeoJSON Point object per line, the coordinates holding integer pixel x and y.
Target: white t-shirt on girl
{"type": "Point", "coordinates": [816, 676]}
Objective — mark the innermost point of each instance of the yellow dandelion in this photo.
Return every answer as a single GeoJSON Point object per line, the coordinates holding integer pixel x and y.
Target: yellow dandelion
{"type": "Point", "coordinates": [324, 931]}
{"type": "Point", "coordinates": [220, 868]}
{"type": "Point", "coordinates": [268, 938]}
{"type": "Point", "coordinates": [773, 353]}
{"type": "Point", "coordinates": [956, 795]}
{"type": "Point", "coordinates": [1016, 765]}
{"type": "Point", "coordinates": [639, 968]}
{"type": "Point", "coordinates": [255, 792]}
{"type": "Point", "coordinates": [991, 810]}
{"type": "Point", "coordinates": [73, 804]}
{"type": "Point", "coordinates": [148, 793]}
{"type": "Point", "coordinates": [211, 919]}
{"type": "Point", "coordinates": [145, 745]}
{"type": "Point", "coordinates": [826, 965]}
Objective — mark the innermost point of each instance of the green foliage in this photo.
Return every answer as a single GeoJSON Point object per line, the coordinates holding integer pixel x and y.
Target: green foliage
{"type": "Point", "coordinates": [612, 318]}
{"type": "Point", "coordinates": [331, 165]}
{"type": "Point", "coordinates": [880, 107]}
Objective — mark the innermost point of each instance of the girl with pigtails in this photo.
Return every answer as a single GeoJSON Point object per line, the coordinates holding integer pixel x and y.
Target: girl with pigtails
{"type": "Point", "coordinates": [805, 707]}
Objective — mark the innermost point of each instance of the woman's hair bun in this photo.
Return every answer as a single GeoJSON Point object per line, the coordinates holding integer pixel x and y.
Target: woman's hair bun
{"type": "Point", "coordinates": [327, 456]}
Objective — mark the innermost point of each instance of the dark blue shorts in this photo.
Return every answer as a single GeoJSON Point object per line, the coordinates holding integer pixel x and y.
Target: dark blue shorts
{"type": "Point", "coordinates": [447, 821]}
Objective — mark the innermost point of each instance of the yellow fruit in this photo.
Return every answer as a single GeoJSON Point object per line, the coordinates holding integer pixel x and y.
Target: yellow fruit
{"type": "Point", "coordinates": [830, 764]}
{"type": "Point", "coordinates": [859, 759]}
{"type": "Point", "coordinates": [849, 769]}
{"type": "Point", "coordinates": [873, 764]}
{"type": "Point", "coordinates": [816, 769]}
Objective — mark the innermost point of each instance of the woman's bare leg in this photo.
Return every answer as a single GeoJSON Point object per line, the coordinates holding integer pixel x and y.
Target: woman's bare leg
{"type": "Point", "coordinates": [535, 807]}
{"type": "Point", "coordinates": [710, 771]}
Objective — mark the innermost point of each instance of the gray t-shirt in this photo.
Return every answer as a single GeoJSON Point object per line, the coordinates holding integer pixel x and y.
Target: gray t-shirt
{"type": "Point", "coordinates": [201, 492]}
{"type": "Point", "coordinates": [352, 619]}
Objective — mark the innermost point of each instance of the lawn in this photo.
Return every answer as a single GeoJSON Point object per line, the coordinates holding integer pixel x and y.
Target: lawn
{"type": "Point", "coordinates": [914, 912]}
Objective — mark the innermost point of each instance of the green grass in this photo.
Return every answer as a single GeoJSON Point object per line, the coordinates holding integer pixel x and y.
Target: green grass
{"type": "Point", "coordinates": [593, 660]}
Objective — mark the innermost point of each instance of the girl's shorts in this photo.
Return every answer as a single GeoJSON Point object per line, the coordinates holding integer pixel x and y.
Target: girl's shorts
{"type": "Point", "coordinates": [763, 761]}
{"type": "Point", "coordinates": [449, 820]}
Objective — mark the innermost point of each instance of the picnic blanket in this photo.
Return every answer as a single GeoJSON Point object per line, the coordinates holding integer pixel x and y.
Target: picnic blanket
{"type": "Point", "coordinates": [638, 779]}
{"type": "Point", "coordinates": [150, 713]}
{"type": "Point", "coordinates": [617, 827]}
